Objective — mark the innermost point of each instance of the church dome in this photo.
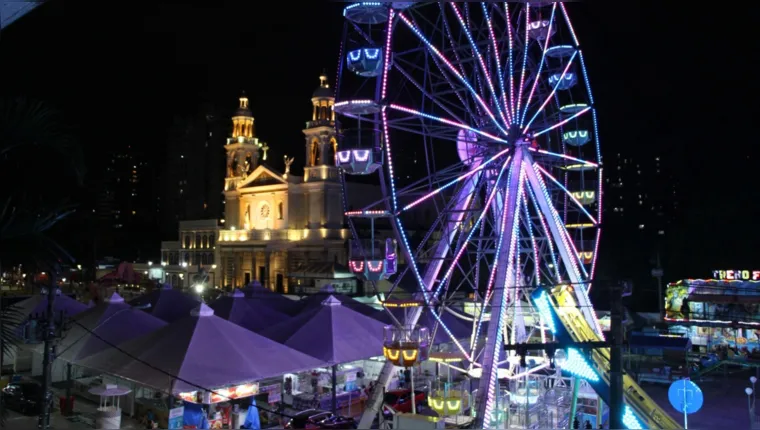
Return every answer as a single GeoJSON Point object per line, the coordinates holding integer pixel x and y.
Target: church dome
{"type": "Point", "coordinates": [323, 91]}
{"type": "Point", "coordinates": [243, 110]}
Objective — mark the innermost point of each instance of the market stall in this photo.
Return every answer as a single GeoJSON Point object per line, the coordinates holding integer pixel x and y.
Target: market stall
{"type": "Point", "coordinates": [201, 352]}
{"type": "Point", "coordinates": [251, 314]}
{"type": "Point", "coordinates": [334, 334]}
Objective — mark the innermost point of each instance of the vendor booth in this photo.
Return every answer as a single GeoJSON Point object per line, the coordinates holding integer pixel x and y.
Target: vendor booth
{"type": "Point", "coordinates": [334, 334]}
{"type": "Point", "coordinates": [201, 352]}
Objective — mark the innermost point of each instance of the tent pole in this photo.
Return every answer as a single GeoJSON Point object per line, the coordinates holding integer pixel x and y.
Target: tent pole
{"type": "Point", "coordinates": [334, 390]}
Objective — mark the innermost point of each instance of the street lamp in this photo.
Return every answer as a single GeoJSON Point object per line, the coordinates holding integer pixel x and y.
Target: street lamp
{"type": "Point", "coordinates": [749, 392]}
{"type": "Point", "coordinates": [150, 263]}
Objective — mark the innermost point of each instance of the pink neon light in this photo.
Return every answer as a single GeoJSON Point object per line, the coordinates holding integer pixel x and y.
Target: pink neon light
{"type": "Point", "coordinates": [566, 157]}
{"type": "Point", "coordinates": [457, 180]}
{"type": "Point", "coordinates": [475, 49]}
{"type": "Point", "coordinates": [462, 248]}
{"type": "Point", "coordinates": [551, 95]}
{"type": "Point", "coordinates": [357, 266]}
{"type": "Point", "coordinates": [447, 121]}
{"type": "Point", "coordinates": [540, 67]}
{"type": "Point", "coordinates": [525, 56]}
{"type": "Point", "coordinates": [375, 266]}
{"type": "Point", "coordinates": [453, 70]}
{"type": "Point", "coordinates": [511, 60]}
{"type": "Point", "coordinates": [568, 193]}
{"type": "Point", "coordinates": [563, 122]}
{"type": "Point", "coordinates": [498, 59]}
{"type": "Point", "coordinates": [569, 24]}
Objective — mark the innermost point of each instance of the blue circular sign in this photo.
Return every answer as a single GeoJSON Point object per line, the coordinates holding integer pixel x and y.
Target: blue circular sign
{"type": "Point", "coordinates": [685, 396]}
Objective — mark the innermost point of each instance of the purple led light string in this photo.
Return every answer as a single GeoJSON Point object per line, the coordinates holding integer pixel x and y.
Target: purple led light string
{"type": "Point", "coordinates": [447, 121]}
{"type": "Point", "coordinates": [453, 70]}
{"type": "Point", "coordinates": [540, 68]}
{"type": "Point", "coordinates": [505, 297]}
{"type": "Point", "coordinates": [567, 192]}
{"type": "Point", "coordinates": [498, 61]}
{"type": "Point", "coordinates": [548, 233]}
{"type": "Point", "coordinates": [462, 248]}
{"type": "Point", "coordinates": [482, 63]}
{"type": "Point", "coordinates": [511, 60]}
{"type": "Point", "coordinates": [525, 57]}
{"type": "Point", "coordinates": [566, 157]}
{"type": "Point", "coordinates": [551, 95]}
{"type": "Point", "coordinates": [457, 180]}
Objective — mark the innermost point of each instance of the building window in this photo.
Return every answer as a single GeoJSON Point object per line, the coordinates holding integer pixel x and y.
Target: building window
{"type": "Point", "coordinates": [211, 241]}
{"type": "Point", "coordinates": [187, 242]}
{"type": "Point", "coordinates": [280, 210]}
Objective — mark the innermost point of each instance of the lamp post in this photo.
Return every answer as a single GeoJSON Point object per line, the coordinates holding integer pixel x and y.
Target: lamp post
{"type": "Point", "coordinates": [213, 278]}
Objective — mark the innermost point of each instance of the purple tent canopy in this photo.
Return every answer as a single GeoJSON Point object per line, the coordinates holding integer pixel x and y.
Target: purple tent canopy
{"type": "Point", "coordinates": [253, 315]}
{"type": "Point", "coordinates": [114, 321]}
{"type": "Point", "coordinates": [332, 333]}
{"type": "Point", "coordinates": [259, 296]}
{"type": "Point", "coordinates": [37, 305]}
{"type": "Point", "coordinates": [460, 329]}
{"type": "Point", "coordinates": [315, 302]}
{"type": "Point", "coordinates": [199, 351]}
{"type": "Point", "coordinates": [166, 303]}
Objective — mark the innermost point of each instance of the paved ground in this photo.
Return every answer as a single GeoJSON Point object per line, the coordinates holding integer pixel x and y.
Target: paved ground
{"type": "Point", "coordinates": [725, 404]}
{"type": "Point", "coordinates": [18, 421]}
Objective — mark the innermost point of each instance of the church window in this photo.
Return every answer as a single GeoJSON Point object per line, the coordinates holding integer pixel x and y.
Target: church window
{"type": "Point", "coordinates": [279, 210]}
{"type": "Point", "coordinates": [314, 153]}
{"type": "Point", "coordinates": [264, 211]}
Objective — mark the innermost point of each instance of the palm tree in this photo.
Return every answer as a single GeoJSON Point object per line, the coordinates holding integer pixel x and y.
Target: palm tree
{"type": "Point", "coordinates": [31, 131]}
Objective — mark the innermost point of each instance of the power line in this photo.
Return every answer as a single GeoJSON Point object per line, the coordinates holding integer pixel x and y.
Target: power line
{"type": "Point", "coordinates": [145, 363]}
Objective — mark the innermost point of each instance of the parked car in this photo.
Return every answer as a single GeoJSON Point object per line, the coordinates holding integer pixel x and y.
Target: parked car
{"type": "Point", "coordinates": [401, 400]}
{"type": "Point", "coordinates": [318, 419]}
{"type": "Point", "coordinates": [23, 397]}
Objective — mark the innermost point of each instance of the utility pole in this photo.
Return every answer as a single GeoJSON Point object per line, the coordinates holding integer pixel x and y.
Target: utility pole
{"type": "Point", "coordinates": [616, 358]}
{"type": "Point", "coordinates": [48, 354]}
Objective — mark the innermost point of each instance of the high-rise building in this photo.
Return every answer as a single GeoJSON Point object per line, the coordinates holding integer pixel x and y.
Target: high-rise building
{"type": "Point", "coordinates": [193, 173]}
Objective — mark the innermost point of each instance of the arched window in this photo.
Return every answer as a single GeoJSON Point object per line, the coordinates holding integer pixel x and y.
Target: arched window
{"type": "Point", "coordinates": [187, 242]}
{"type": "Point", "coordinates": [186, 258]}
{"type": "Point", "coordinates": [210, 258]}
{"type": "Point", "coordinates": [203, 258]}
{"type": "Point", "coordinates": [314, 153]}
{"type": "Point", "coordinates": [211, 240]}
{"type": "Point", "coordinates": [333, 148]}
{"type": "Point", "coordinates": [280, 210]}
{"type": "Point", "coordinates": [205, 241]}
{"type": "Point", "coordinates": [197, 241]}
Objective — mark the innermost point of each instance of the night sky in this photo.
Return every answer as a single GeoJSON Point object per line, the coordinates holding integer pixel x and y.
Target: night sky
{"type": "Point", "coordinates": [668, 79]}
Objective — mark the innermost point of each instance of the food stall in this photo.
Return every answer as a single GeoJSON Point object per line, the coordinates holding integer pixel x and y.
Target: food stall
{"type": "Point", "coordinates": [314, 390]}
{"type": "Point", "coordinates": [217, 405]}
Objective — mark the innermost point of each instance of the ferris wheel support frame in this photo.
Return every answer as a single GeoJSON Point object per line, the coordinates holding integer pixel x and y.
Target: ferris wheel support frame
{"type": "Point", "coordinates": [374, 404]}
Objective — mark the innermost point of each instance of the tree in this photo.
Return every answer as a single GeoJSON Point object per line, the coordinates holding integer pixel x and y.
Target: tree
{"type": "Point", "coordinates": [35, 153]}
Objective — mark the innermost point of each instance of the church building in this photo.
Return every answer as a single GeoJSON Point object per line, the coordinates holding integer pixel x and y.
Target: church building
{"type": "Point", "coordinates": [279, 229]}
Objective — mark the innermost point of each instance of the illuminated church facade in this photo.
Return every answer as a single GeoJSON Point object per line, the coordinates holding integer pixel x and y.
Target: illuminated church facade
{"type": "Point", "coordinates": [278, 228]}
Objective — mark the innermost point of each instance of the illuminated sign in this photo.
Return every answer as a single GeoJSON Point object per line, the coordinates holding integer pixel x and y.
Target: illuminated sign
{"type": "Point", "coordinates": [737, 275]}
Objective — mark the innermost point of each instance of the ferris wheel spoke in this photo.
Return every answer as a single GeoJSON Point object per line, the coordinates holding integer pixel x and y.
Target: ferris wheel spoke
{"type": "Point", "coordinates": [550, 97]}
{"type": "Point", "coordinates": [466, 242]}
{"type": "Point", "coordinates": [482, 63]}
{"type": "Point", "coordinates": [497, 58]}
{"type": "Point", "coordinates": [425, 93]}
{"type": "Point", "coordinates": [563, 122]}
{"type": "Point", "coordinates": [538, 72]}
{"type": "Point", "coordinates": [455, 181]}
{"type": "Point", "coordinates": [453, 71]}
{"type": "Point", "coordinates": [510, 59]}
{"type": "Point", "coordinates": [584, 163]}
{"type": "Point", "coordinates": [568, 193]}
{"type": "Point", "coordinates": [526, 42]}
{"type": "Point", "coordinates": [446, 121]}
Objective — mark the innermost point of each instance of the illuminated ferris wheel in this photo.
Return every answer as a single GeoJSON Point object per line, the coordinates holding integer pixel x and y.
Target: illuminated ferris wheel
{"type": "Point", "coordinates": [493, 103]}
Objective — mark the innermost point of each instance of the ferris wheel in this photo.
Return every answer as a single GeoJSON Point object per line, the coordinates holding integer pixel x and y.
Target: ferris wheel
{"type": "Point", "coordinates": [481, 117]}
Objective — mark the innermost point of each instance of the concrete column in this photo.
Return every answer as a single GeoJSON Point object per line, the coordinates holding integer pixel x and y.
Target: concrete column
{"type": "Point", "coordinates": [267, 264]}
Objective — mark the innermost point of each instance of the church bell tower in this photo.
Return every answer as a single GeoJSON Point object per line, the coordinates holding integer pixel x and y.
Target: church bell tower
{"type": "Point", "coordinates": [242, 147]}
{"type": "Point", "coordinates": [321, 137]}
